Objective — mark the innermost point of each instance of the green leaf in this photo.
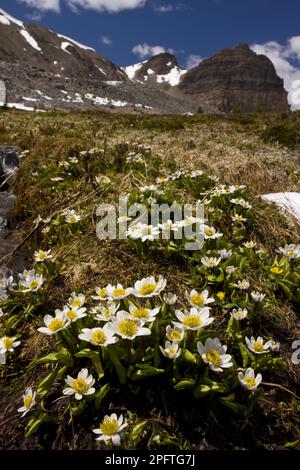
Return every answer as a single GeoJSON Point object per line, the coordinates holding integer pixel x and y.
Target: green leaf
{"type": "Point", "coordinates": [145, 371]}
{"type": "Point", "coordinates": [63, 357]}
{"type": "Point", "coordinates": [189, 357]}
{"type": "Point", "coordinates": [286, 290]}
{"type": "Point", "coordinates": [185, 384]}
{"type": "Point", "coordinates": [121, 371]}
{"type": "Point", "coordinates": [208, 386]}
{"type": "Point", "coordinates": [34, 423]}
{"type": "Point", "coordinates": [137, 432]}
{"type": "Point", "coordinates": [100, 395]}
{"type": "Point", "coordinates": [246, 355]}
{"type": "Point", "coordinates": [46, 383]}
{"type": "Point", "coordinates": [94, 356]}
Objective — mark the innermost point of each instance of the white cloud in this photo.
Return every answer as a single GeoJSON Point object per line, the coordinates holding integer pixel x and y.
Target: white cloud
{"type": "Point", "coordinates": [164, 8]}
{"type": "Point", "coordinates": [193, 60]}
{"type": "Point", "coordinates": [106, 40]}
{"type": "Point", "coordinates": [111, 6]}
{"type": "Point", "coordinates": [144, 50]}
{"type": "Point", "coordinates": [43, 5]}
{"type": "Point", "coordinates": [286, 60]}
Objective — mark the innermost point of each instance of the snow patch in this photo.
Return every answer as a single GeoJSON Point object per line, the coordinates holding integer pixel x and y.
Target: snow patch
{"type": "Point", "coordinates": [29, 99]}
{"type": "Point", "coordinates": [64, 45]}
{"type": "Point", "coordinates": [113, 82]}
{"type": "Point", "coordinates": [173, 77]}
{"type": "Point", "coordinates": [150, 72]}
{"type": "Point", "coordinates": [10, 19]}
{"type": "Point", "coordinates": [290, 202]}
{"type": "Point", "coordinates": [20, 106]}
{"type": "Point", "coordinates": [78, 44]}
{"type": "Point", "coordinates": [100, 70]}
{"type": "Point", "coordinates": [4, 20]}
{"type": "Point", "coordinates": [132, 69]}
{"type": "Point", "coordinates": [31, 41]}
{"type": "Point", "coordinates": [44, 96]}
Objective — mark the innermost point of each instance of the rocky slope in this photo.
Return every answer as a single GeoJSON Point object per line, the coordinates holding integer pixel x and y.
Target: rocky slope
{"type": "Point", "coordinates": [236, 78]}
{"type": "Point", "coordinates": [45, 70]}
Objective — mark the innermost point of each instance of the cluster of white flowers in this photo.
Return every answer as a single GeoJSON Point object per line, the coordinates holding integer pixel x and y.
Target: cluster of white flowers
{"type": "Point", "coordinates": [291, 252]}
{"type": "Point", "coordinates": [30, 281]}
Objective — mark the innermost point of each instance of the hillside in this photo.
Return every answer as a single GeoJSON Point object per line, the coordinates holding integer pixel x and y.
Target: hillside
{"type": "Point", "coordinates": [188, 395]}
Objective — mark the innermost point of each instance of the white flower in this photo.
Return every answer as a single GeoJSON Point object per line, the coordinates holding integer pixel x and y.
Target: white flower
{"type": "Point", "coordinates": [231, 269]}
{"type": "Point", "coordinates": [32, 282]}
{"type": "Point", "coordinates": [143, 314]}
{"type": "Point", "coordinates": [225, 254]}
{"type": "Point", "coordinates": [110, 429]}
{"type": "Point", "coordinates": [1, 313]}
{"type": "Point", "coordinates": [197, 299]}
{"type": "Point", "coordinates": [248, 379]}
{"type": "Point", "coordinates": [101, 292]}
{"type": "Point", "coordinates": [210, 233]}
{"type": "Point", "coordinates": [196, 173]}
{"type": "Point", "coordinates": [291, 251]}
{"type": "Point", "coordinates": [168, 226]}
{"type": "Point", "coordinates": [71, 217]}
{"type": "Point", "coordinates": [7, 283]}
{"type": "Point", "coordinates": [28, 401]}
{"type": "Point", "coordinates": [148, 287]}
{"type": "Point", "coordinates": [210, 262]}
{"type": "Point", "coordinates": [239, 314]}
{"type": "Point", "coordinates": [194, 319]}
{"type": "Point", "coordinates": [188, 221]}
{"type": "Point", "coordinates": [257, 296]}
{"type": "Point", "coordinates": [8, 343]}
{"type": "Point", "coordinates": [242, 285]}
{"type": "Point", "coordinates": [73, 313]}
{"type": "Point", "coordinates": [214, 354]}
{"type": "Point", "coordinates": [99, 336]}
{"type": "Point", "coordinates": [76, 300]}
{"type": "Point", "coordinates": [258, 346]}
{"type": "Point", "coordinates": [102, 179]}
{"type": "Point", "coordinates": [175, 333]}
{"type": "Point", "coordinates": [41, 255]}
{"type": "Point", "coordinates": [249, 245]}
{"type": "Point", "coordinates": [106, 313]}
{"type": "Point", "coordinates": [238, 218]}
{"type": "Point", "coordinates": [241, 202]}
{"type": "Point", "coordinates": [54, 324]}
{"type": "Point", "coordinates": [273, 346]}
{"type": "Point", "coordinates": [82, 385]}
{"type": "Point", "coordinates": [117, 292]}
{"type": "Point", "coordinates": [56, 179]}
{"type": "Point", "coordinates": [148, 189]}
{"type": "Point", "coordinates": [171, 350]}
{"type": "Point", "coordinates": [169, 298]}
{"type": "Point", "coordinates": [144, 232]}
{"type": "Point", "coordinates": [127, 328]}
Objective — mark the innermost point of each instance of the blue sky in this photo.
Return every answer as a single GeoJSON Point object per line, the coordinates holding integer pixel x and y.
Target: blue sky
{"type": "Point", "coordinates": [193, 27]}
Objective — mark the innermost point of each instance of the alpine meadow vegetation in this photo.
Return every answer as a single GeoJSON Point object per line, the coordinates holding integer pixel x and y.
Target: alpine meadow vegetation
{"type": "Point", "coordinates": [138, 342]}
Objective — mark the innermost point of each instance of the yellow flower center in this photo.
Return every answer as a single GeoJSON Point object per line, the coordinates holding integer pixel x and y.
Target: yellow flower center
{"type": "Point", "coordinates": [141, 313]}
{"type": "Point", "coordinates": [34, 285]}
{"type": "Point", "coordinates": [258, 346]}
{"type": "Point", "coordinates": [209, 232]}
{"type": "Point", "coordinates": [119, 291]}
{"type": "Point", "coordinates": [128, 327]}
{"type": "Point", "coordinates": [101, 293]}
{"type": "Point", "coordinates": [71, 314]}
{"type": "Point", "coordinates": [76, 303]}
{"type": "Point", "coordinates": [28, 401]}
{"type": "Point", "coordinates": [221, 295]}
{"type": "Point", "coordinates": [172, 352]}
{"type": "Point", "coordinates": [147, 289]}
{"type": "Point", "coordinates": [56, 324]}
{"type": "Point", "coordinates": [250, 381]}
{"type": "Point", "coordinates": [192, 321]}
{"type": "Point", "coordinates": [98, 337]}
{"type": "Point", "coordinates": [72, 219]}
{"type": "Point", "coordinates": [214, 357]}
{"type": "Point", "coordinates": [7, 342]}
{"type": "Point", "coordinates": [109, 427]}
{"type": "Point", "coordinates": [276, 270]}
{"type": "Point", "coordinates": [80, 385]}
{"type": "Point", "coordinates": [198, 300]}
{"type": "Point", "coordinates": [42, 255]}
{"type": "Point", "coordinates": [106, 314]}
{"type": "Point", "coordinates": [175, 335]}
